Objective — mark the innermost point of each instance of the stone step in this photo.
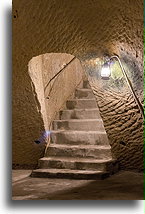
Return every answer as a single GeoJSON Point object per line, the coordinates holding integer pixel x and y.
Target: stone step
{"type": "Point", "coordinates": [69, 174]}
{"type": "Point", "coordinates": [80, 125]}
{"type": "Point", "coordinates": [86, 84]}
{"type": "Point", "coordinates": [80, 114]}
{"type": "Point", "coordinates": [81, 103]}
{"type": "Point", "coordinates": [84, 93]}
{"type": "Point", "coordinates": [79, 137]}
{"type": "Point", "coordinates": [98, 152]}
{"type": "Point", "coordinates": [76, 163]}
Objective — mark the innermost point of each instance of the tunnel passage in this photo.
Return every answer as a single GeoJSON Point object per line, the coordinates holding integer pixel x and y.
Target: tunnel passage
{"type": "Point", "coordinates": [86, 29]}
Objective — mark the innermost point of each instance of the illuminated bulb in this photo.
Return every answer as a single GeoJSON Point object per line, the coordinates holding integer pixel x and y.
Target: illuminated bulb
{"type": "Point", "coordinates": [105, 71]}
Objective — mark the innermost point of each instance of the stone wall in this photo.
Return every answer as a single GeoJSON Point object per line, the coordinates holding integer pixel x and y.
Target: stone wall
{"type": "Point", "coordinates": [122, 117]}
{"type": "Point", "coordinates": [52, 93]}
{"type": "Point", "coordinates": [47, 100]}
{"type": "Point", "coordinates": [85, 29]}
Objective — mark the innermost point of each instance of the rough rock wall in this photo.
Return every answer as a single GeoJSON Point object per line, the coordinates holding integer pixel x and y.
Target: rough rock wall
{"type": "Point", "coordinates": [123, 122]}
{"type": "Point", "coordinates": [122, 117]}
{"type": "Point", "coordinates": [82, 28]}
{"type": "Point", "coordinates": [52, 95]}
{"type": "Point", "coordinates": [49, 99]}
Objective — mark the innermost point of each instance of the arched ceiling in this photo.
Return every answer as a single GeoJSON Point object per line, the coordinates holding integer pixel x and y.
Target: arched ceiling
{"type": "Point", "coordinates": [78, 27]}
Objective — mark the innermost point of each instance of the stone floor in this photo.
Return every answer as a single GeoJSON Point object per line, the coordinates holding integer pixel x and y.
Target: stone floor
{"type": "Point", "coordinates": [124, 185]}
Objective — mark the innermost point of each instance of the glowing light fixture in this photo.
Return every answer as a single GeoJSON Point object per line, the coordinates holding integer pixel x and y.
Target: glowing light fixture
{"type": "Point", "coordinates": [106, 73]}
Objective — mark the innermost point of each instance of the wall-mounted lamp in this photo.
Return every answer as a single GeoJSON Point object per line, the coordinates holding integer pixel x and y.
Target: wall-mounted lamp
{"type": "Point", "coordinates": [106, 73]}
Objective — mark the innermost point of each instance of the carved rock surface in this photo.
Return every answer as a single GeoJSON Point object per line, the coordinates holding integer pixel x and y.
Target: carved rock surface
{"type": "Point", "coordinates": [80, 28]}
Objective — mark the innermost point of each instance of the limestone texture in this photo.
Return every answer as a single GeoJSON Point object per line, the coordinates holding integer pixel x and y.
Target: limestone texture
{"type": "Point", "coordinates": [88, 30]}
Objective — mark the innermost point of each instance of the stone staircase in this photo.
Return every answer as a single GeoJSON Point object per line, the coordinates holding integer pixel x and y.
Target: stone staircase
{"type": "Point", "coordinates": [79, 147]}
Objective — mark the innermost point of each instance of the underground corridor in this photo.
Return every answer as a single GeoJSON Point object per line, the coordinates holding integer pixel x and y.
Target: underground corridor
{"type": "Point", "coordinates": [77, 100]}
